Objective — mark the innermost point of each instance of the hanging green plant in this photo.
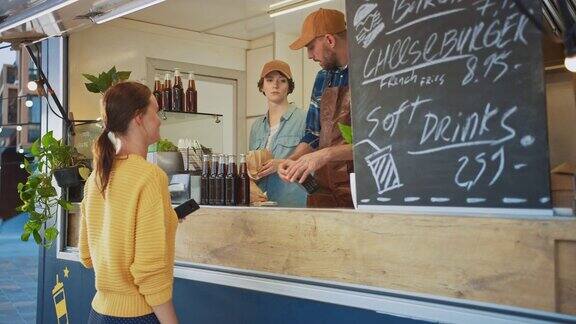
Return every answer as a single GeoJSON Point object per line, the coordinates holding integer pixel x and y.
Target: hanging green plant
{"type": "Point", "coordinates": [101, 83]}
{"type": "Point", "coordinates": [38, 194]}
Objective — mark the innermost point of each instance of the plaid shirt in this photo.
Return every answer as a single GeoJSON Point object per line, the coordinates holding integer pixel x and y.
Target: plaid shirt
{"type": "Point", "coordinates": [324, 79]}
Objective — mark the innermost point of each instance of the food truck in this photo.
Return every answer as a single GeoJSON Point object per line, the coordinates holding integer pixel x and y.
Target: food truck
{"type": "Point", "coordinates": [460, 111]}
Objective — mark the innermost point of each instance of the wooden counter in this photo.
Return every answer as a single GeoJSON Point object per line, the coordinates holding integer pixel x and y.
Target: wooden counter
{"type": "Point", "coordinates": [522, 262]}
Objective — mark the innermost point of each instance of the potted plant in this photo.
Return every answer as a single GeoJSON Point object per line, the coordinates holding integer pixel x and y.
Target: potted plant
{"type": "Point", "coordinates": [101, 83]}
{"type": "Point", "coordinates": [38, 194]}
{"type": "Point", "coordinates": [167, 156]}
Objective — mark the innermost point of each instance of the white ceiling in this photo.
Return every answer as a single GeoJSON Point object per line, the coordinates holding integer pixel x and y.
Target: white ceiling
{"type": "Point", "coordinates": [240, 19]}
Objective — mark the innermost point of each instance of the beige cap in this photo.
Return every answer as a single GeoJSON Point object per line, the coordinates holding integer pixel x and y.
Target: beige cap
{"type": "Point", "coordinates": [320, 23]}
{"type": "Point", "coordinates": [276, 65]}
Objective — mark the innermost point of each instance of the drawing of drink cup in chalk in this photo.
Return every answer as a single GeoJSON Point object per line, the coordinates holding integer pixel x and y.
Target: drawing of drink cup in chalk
{"type": "Point", "coordinates": [367, 24]}
{"type": "Point", "coordinates": [59, 297]}
{"type": "Point", "coordinates": [382, 167]}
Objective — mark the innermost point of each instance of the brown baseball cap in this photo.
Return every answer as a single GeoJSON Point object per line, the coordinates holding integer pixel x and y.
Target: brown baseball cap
{"type": "Point", "coordinates": [276, 65]}
{"type": "Point", "coordinates": [320, 23]}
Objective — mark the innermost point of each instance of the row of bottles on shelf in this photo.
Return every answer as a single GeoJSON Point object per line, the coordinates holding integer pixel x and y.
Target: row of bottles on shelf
{"type": "Point", "coordinates": [221, 184]}
{"type": "Point", "coordinates": [173, 97]}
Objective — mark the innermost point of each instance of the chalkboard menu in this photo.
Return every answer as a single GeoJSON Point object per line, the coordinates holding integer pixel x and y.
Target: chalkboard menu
{"type": "Point", "coordinates": [448, 105]}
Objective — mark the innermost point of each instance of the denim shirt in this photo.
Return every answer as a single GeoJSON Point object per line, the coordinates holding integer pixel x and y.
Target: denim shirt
{"type": "Point", "coordinates": [324, 79]}
{"type": "Point", "coordinates": [290, 131]}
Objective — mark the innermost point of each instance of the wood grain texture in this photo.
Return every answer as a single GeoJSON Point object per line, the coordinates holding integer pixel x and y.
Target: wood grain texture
{"type": "Point", "coordinates": [566, 276]}
{"type": "Point", "coordinates": [498, 260]}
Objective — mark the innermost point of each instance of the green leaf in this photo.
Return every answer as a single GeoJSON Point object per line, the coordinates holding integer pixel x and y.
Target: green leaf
{"type": "Point", "coordinates": [47, 139]}
{"type": "Point", "coordinates": [65, 204]}
{"type": "Point", "coordinates": [84, 172]}
{"type": "Point", "coordinates": [92, 87]}
{"type": "Point", "coordinates": [27, 195]}
{"type": "Point", "coordinates": [346, 132]}
{"type": "Point", "coordinates": [123, 75]}
{"type": "Point", "coordinates": [25, 236]}
{"type": "Point", "coordinates": [91, 78]}
{"type": "Point", "coordinates": [47, 192]}
{"type": "Point", "coordinates": [49, 142]}
{"type": "Point", "coordinates": [113, 75]}
{"type": "Point", "coordinates": [105, 81]}
{"type": "Point", "coordinates": [51, 234]}
{"type": "Point", "coordinates": [37, 237]}
{"type": "Point", "coordinates": [35, 148]}
{"type": "Point", "coordinates": [35, 220]}
{"type": "Point", "coordinates": [27, 166]}
{"type": "Point", "coordinates": [20, 186]}
{"type": "Point", "coordinates": [39, 166]}
{"type": "Point", "coordinates": [164, 145]}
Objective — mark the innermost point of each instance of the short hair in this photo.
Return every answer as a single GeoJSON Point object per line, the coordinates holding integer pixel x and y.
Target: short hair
{"type": "Point", "coordinates": [290, 85]}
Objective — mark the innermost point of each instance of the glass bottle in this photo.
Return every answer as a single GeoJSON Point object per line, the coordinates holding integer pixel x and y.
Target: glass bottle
{"type": "Point", "coordinates": [212, 180]}
{"type": "Point", "coordinates": [231, 182]}
{"type": "Point", "coordinates": [177, 92]}
{"type": "Point", "coordinates": [243, 182]}
{"type": "Point", "coordinates": [221, 181]}
{"type": "Point", "coordinates": [158, 91]}
{"type": "Point", "coordinates": [191, 95]}
{"type": "Point", "coordinates": [167, 93]}
{"type": "Point", "coordinates": [205, 180]}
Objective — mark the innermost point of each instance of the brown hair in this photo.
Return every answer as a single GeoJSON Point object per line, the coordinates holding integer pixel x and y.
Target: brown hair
{"type": "Point", "coordinates": [121, 103]}
{"type": "Point", "coordinates": [290, 84]}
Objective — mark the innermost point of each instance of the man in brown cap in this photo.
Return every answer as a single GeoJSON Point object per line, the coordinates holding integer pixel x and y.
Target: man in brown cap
{"type": "Point", "coordinates": [323, 151]}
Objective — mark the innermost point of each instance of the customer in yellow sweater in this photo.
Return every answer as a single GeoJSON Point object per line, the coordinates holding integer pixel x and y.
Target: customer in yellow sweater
{"type": "Point", "coordinates": [128, 226]}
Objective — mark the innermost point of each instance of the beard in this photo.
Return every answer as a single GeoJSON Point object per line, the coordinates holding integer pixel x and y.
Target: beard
{"type": "Point", "coordinates": [329, 61]}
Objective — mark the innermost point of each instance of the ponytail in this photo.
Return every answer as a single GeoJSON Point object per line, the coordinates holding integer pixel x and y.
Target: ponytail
{"type": "Point", "coordinates": [121, 103]}
{"type": "Point", "coordinates": [104, 154]}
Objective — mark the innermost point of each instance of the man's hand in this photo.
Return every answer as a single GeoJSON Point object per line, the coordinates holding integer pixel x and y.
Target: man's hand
{"type": "Point", "coordinates": [269, 167]}
{"type": "Point", "coordinates": [283, 169]}
{"type": "Point", "coordinates": [300, 169]}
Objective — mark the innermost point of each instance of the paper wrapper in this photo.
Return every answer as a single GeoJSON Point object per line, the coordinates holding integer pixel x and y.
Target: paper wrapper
{"type": "Point", "coordinates": [255, 160]}
{"type": "Point", "coordinates": [256, 195]}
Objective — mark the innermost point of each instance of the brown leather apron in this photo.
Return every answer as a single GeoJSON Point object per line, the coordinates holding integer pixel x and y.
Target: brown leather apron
{"type": "Point", "coordinates": [334, 177]}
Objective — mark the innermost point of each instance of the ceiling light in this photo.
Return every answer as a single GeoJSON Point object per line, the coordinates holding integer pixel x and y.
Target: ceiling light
{"type": "Point", "coordinates": [279, 4]}
{"type": "Point", "coordinates": [32, 85]}
{"type": "Point", "coordinates": [284, 7]}
{"type": "Point", "coordinates": [19, 128]}
{"type": "Point", "coordinates": [570, 63]}
{"type": "Point", "coordinates": [38, 15]}
{"type": "Point", "coordinates": [29, 103]}
{"type": "Point", "coordinates": [125, 9]}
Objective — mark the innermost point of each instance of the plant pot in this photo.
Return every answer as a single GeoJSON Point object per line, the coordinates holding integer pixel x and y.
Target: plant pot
{"type": "Point", "coordinates": [76, 193]}
{"type": "Point", "coordinates": [67, 177]}
{"type": "Point", "coordinates": [170, 162]}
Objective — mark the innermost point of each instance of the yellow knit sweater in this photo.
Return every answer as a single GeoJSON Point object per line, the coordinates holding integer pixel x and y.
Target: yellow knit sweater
{"type": "Point", "coordinates": [129, 238]}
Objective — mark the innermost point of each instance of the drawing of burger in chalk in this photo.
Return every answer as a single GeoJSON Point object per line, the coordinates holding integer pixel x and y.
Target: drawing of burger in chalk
{"type": "Point", "coordinates": [367, 24]}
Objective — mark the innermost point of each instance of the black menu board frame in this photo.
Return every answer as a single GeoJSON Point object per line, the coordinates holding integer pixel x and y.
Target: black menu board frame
{"type": "Point", "coordinates": [448, 107]}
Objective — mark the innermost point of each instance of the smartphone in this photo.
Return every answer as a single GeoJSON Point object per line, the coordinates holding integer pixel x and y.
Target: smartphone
{"type": "Point", "coordinates": [310, 184]}
{"type": "Point", "coordinates": [186, 208]}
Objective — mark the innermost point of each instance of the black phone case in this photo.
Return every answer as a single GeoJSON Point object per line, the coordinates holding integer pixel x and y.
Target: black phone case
{"type": "Point", "coordinates": [310, 184]}
{"type": "Point", "coordinates": [186, 208]}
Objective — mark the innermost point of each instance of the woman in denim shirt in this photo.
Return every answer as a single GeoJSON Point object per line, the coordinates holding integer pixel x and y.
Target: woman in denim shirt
{"type": "Point", "coordinates": [279, 131]}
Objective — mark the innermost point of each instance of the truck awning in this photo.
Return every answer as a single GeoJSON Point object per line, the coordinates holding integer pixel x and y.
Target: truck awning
{"type": "Point", "coordinates": [29, 21]}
